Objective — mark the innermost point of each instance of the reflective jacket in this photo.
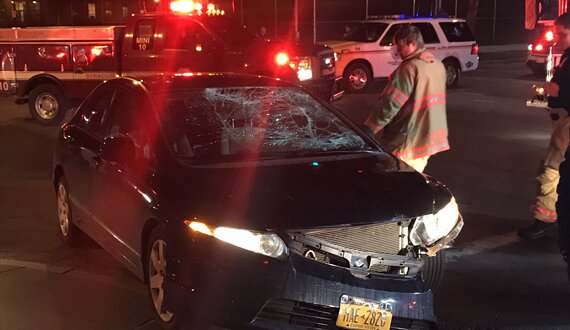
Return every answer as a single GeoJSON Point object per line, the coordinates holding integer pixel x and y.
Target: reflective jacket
{"type": "Point", "coordinates": [412, 108]}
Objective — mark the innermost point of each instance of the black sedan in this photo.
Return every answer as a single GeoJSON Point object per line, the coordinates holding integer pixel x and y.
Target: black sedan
{"type": "Point", "coordinates": [245, 201]}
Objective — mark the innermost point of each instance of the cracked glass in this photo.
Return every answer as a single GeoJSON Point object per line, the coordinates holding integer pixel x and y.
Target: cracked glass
{"type": "Point", "coordinates": [254, 121]}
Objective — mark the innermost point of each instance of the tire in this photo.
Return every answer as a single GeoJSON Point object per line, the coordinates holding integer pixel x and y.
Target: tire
{"type": "Point", "coordinates": [452, 72]}
{"type": "Point", "coordinates": [68, 232]}
{"type": "Point", "coordinates": [357, 77]}
{"type": "Point", "coordinates": [433, 270]}
{"type": "Point", "coordinates": [155, 272]}
{"type": "Point", "coordinates": [48, 104]}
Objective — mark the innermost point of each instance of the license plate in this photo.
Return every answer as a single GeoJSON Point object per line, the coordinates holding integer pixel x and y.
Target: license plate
{"type": "Point", "coordinates": [357, 313]}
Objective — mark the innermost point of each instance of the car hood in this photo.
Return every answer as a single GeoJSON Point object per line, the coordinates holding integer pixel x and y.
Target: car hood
{"type": "Point", "coordinates": [337, 45]}
{"type": "Point", "coordinates": [316, 192]}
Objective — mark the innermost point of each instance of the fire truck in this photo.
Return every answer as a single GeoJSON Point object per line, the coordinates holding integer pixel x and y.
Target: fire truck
{"type": "Point", "coordinates": [52, 68]}
{"type": "Point", "coordinates": [540, 20]}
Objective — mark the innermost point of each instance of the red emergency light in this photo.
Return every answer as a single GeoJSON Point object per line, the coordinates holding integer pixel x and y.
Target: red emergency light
{"type": "Point", "coordinates": [190, 7]}
{"type": "Point", "coordinates": [282, 59]}
{"type": "Point", "coordinates": [549, 36]}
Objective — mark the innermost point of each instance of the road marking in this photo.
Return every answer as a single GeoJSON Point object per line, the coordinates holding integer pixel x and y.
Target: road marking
{"type": "Point", "coordinates": [135, 285]}
{"type": "Point", "coordinates": [485, 244]}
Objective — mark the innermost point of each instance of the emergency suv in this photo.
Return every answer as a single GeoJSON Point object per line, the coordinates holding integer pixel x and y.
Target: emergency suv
{"type": "Point", "coordinates": [53, 67]}
{"type": "Point", "coordinates": [367, 51]}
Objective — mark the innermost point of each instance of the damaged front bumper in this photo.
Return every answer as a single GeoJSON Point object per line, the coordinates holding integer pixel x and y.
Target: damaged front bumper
{"type": "Point", "coordinates": [230, 287]}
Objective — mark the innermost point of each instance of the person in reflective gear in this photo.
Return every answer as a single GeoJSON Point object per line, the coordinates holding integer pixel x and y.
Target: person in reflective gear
{"type": "Point", "coordinates": [412, 116]}
{"type": "Point", "coordinates": [558, 91]}
{"type": "Point", "coordinates": [563, 210]}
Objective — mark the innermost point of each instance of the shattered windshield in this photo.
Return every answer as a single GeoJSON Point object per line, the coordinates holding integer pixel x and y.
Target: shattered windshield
{"type": "Point", "coordinates": [208, 123]}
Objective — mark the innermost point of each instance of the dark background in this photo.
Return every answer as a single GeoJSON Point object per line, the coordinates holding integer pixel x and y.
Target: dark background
{"type": "Point", "coordinates": [500, 26]}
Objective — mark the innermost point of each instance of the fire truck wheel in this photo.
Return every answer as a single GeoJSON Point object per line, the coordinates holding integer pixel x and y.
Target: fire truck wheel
{"type": "Point", "coordinates": [452, 72]}
{"type": "Point", "coordinates": [47, 104]}
{"type": "Point", "coordinates": [433, 270]}
{"type": "Point", "coordinates": [356, 77]}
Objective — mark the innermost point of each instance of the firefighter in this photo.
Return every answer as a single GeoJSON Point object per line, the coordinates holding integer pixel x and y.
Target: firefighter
{"type": "Point", "coordinates": [563, 210]}
{"type": "Point", "coordinates": [411, 115]}
{"type": "Point", "coordinates": [558, 91]}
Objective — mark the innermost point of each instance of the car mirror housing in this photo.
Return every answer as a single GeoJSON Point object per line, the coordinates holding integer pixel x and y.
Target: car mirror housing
{"type": "Point", "coordinates": [118, 148]}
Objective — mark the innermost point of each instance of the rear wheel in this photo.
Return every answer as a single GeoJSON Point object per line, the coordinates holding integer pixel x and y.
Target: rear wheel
{"type": "Point", "coordinates": [155, 275]}
{"type": "Point", "coordinates": [452, 72]}
{"type": "Point", "coordinates": [47, 104]}
{"type": "Point", "coordinates": [356, 77]}
{"type": "Point", "coordinates": [433, 270]}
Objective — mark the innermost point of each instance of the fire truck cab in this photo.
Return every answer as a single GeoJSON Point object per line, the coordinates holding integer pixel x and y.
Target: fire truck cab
{"type": "Point", "coordinates": [52, 68]}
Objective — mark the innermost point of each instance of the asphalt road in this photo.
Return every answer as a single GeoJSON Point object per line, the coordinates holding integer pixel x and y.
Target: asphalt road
{"type": "Point", "coordinates": [493, 279]}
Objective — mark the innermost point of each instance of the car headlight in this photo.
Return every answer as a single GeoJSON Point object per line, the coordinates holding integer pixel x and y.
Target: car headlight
{"type": "Point", "coordinates": [268, 244]}
{"type": "Point", "coordinates": [430, 229]}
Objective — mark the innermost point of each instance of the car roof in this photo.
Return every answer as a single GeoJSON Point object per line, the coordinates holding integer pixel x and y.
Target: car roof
{"type": "Point", "coordinates": [181, 81]}
{"type": "Point", "coordinates": [413, 19]}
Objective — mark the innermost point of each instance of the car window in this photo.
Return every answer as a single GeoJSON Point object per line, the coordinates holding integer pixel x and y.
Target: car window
{"type": "Point", "coordinates": [428, 33]}
{"type": "Point", "coordinates": [427, 30]}
{"type": "Point", "coordinates": [365, 32]}
{"type": "Point", "coordinates": [263, 121]}
{"type": "Point", "coordinates": [91, 114]}
{"type": "Point", "coordinates": [387, 40]}
{"type": "Point", "coordinates": [457, 31]}
{"type": "Point", "coordinates": [132, 117]}
{"type": "Point", "coordinates": [143, 36]}
{"type": "Point", "coordinates": [187, 35]}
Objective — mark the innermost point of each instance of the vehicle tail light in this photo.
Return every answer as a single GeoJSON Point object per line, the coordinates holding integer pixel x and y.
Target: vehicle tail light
{"type": "Point", "coordinates": [538, 48]}
{"type": "Point", "coordinates": [475, 49]}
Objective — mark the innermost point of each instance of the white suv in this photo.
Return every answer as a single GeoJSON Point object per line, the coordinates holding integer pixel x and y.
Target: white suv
{"type": "Point", "coordinates": [367, 51]}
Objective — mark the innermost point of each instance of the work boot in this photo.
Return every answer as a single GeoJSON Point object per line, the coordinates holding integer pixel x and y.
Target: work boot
{"type": "Point", "coordinates": [538, 229]}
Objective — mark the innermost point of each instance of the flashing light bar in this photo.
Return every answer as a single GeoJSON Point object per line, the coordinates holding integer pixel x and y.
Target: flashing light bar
{"type": "Point", "coordinates": [190, 7]}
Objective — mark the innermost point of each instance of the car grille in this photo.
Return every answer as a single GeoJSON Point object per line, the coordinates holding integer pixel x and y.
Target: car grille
{"type": "Point", "coordinates": [384, 238]}
{"type": "Point", "coordinates": [378, 238]}
{"type": "Point", "coordinates": [282, 313]}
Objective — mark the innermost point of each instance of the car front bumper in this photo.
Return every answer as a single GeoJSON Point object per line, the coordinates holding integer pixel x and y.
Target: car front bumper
{"type": "Point", "coordinates": [231, 287]}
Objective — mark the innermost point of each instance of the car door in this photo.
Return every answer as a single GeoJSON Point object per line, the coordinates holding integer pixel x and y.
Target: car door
{"type": "Point", "coordinates": [431, 39]}
{"type": "Point", "coordinates": [188, 46]}
{"type": "Point", "coordinates": [121, 191]}
{"type": "Point", "coordinates": [81, 140]}
{"type": "Point", "coordinates": [388, 59]}
{"type": "Point", "coordinates": [392, 59]}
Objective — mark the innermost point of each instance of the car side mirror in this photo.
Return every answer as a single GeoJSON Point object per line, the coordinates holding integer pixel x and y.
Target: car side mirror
{"type": "Point", "coordinates": [118, 148]}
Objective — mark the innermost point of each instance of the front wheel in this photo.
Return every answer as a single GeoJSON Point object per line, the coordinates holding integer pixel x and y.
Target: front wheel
{"type": "Point", "coordinates": [68, 231]}
{"type": "Point", "coordinates": [356, 77]}
{"type": "Point", "coordinates": [47, 104]}
{"type": "Point", "coordinates": [433, 270]}
{"type": "Point", "coordinates": [155, 275]}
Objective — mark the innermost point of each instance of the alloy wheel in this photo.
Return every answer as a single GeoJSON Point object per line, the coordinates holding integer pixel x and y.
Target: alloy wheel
{"type": "Point", "coordinates": [63, 210]}
{"type": "Point", "coordinates": [156, 274]}
{"type": "Point", "coordinates": [357, 79]}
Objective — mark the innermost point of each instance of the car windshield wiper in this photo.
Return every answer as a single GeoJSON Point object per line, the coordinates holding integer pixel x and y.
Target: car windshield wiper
{"type": "Point", "coordinates": [313, 153]}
